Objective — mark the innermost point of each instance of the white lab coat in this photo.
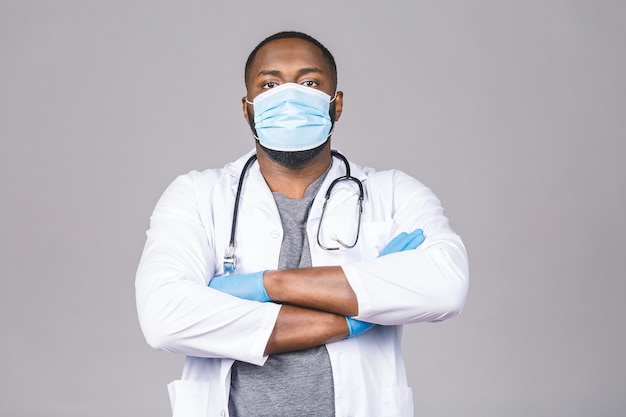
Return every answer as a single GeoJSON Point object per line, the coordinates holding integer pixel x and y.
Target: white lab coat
{"type": "Point", "coordinates": [186, 242]}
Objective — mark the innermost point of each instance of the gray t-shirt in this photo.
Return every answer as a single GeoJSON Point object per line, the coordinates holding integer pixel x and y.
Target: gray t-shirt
{"type": "Point", "coordinates": [294, 384]}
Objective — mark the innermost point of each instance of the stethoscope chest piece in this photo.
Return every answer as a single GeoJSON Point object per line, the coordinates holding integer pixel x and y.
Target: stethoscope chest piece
{"type": "Point", "coordinates": [230, 260]}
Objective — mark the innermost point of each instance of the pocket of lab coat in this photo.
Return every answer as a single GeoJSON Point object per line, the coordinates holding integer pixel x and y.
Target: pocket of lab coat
{"type": "Point", "coordinates": [397, 402]}
{"type": "Point", "coordinates": [374, 237]}
{"type": "Point", "coordinates": [189, 398]}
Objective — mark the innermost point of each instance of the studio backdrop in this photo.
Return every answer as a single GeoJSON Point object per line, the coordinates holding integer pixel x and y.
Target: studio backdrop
{"type": "Point", "coordinates": [512, 112]}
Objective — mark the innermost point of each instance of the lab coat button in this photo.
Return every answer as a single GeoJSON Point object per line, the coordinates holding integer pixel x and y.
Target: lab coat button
{"type": "Point", "coordinates": [275, 234]}
{"type": "Point", "coordinates": [222, 413]}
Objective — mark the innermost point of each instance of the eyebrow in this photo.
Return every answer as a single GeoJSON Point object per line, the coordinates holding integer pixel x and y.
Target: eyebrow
{"type": "Point", "coordinates": [301, 71]}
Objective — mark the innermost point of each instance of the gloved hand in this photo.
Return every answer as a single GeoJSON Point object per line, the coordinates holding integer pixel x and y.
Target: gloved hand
{"type": "Point", "coordinates": [246, 286]}
{"type": "Point", "coordinates": [404, 241]}
{"type": "Point", "coordinates": [357, 327]}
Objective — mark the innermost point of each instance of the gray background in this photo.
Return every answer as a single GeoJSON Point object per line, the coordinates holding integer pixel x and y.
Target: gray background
{"type": "Point", "coordinates": [512, 112]}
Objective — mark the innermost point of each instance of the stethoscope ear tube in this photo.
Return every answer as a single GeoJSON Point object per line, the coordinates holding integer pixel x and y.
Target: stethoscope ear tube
{"type": "Point", "coordinates": [230, 260]}
{"type": "Point", "coordinates": [346, 177]}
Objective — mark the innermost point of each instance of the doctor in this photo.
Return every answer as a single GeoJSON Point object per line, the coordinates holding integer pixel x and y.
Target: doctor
{"type": "Point", "coordinates": [285, 302]}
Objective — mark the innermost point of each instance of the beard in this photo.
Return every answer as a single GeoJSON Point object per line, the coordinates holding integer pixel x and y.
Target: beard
{"type": "Point", "coordinates": [292, 159]}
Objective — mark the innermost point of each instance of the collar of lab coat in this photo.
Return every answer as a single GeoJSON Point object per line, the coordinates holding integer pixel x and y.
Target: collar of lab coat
{"type": "Point", "coordinates": [254, 179]}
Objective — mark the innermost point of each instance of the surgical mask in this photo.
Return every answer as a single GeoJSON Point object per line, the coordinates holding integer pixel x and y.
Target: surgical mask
{"type": "Point", "coordinates": [292, 117]}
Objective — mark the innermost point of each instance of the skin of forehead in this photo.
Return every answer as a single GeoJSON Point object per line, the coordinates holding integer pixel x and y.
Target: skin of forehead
{"type": "Point", "coordinates": [298, 53]}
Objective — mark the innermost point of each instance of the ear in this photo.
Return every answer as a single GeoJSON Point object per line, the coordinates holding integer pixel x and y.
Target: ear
{"type": "Point", "coordinates": [244, 105]}
{"type": "Point", "coordinates": [338, 105]}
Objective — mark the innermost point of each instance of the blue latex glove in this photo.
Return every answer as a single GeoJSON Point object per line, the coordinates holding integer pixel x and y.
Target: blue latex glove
{"type": "Point", "coordinates": [404, 241]}
{"type": "Point", "coordinates": [246, 286]}
{"type": "Point", "coordinates": [357, 327]}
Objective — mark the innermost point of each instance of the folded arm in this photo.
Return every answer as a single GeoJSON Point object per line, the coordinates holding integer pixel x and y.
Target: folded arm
{"type": "Point", "coordinates": [300, 328]}
{"type": "Point", "coordinates": [324, 288]}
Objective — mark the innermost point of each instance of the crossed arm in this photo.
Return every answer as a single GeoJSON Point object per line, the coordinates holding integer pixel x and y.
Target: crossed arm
{"type": "Point", "coordinates": [179, 317]}
{"type": "Point", "coordinates": [318, 302]}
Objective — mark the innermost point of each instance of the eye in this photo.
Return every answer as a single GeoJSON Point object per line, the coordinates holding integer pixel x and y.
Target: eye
{"type": "Point", "coordinates": [270, 84]}
{"type": "Point", "coordinates": [310, 83]}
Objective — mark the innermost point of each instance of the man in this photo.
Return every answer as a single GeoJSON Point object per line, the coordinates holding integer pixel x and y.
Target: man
{"type": "Point", "coordinates": [309, 322]}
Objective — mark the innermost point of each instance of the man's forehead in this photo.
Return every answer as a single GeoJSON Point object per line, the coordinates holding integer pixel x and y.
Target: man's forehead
{"type": "Point", "coordinates": [287, 50]}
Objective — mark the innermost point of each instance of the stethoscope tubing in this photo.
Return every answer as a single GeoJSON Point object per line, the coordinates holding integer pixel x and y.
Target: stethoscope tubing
{"type": "Point", "coordinates": [230, 260]}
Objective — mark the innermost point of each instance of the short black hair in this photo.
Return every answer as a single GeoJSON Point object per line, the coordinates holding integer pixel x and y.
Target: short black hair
{"type": "Point", "coordinates": [292, 35]}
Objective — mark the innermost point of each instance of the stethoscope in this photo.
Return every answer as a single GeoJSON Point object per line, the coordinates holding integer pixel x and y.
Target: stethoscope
{"type": "Point", "coordinates": [230, 260]}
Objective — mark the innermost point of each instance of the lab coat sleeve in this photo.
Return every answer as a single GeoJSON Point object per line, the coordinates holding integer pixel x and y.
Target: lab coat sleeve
{"type": "Point", "coordinates": [177, 311]}
{"type": "Point", "coordinates": [429, 283]}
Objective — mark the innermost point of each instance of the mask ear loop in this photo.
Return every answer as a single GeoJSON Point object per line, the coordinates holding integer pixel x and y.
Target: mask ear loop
{"type": "Point", "coordinates": [332, 127]}
{"type": "Point", "coordinates": [253, 130]}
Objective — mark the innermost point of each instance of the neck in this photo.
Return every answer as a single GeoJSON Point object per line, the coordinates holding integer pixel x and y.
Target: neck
{"type": "Point", "coordinates": [290, 182]}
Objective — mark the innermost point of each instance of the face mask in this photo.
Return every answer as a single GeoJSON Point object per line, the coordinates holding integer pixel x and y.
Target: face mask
{"type": "Point", "coordinates": [292, 117]}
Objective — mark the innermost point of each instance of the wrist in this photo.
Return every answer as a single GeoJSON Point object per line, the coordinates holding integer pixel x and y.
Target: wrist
{"type": "Point", "coordinates": [272, 285]}
{"type": "Point", "coordinates": [262, 289]}
{"type": "Point", "coordinates": [357, 327]}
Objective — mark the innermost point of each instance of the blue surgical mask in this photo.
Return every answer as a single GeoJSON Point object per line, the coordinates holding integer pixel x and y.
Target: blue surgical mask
{"type": "Point", "coordinates": [292, 117]}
